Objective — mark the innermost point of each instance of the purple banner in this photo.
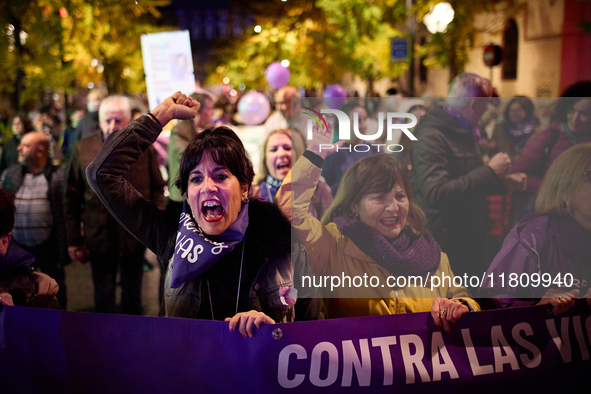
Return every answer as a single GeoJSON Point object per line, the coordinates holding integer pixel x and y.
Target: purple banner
{"type": "Point", "coordinates": [44, 351]}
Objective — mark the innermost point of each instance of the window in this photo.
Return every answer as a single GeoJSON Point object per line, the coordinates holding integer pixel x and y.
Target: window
{"type": "Point", "coordinates": [510, 46]}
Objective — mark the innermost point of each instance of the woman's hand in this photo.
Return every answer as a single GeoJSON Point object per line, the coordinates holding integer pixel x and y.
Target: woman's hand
{"type": "Point", "coordinates": [516, 181]}
{"type": "Point", "coordinates": [177, 106]}
{"type": "Point", "coordinates": [245, 321]}
{"type": "Point", "coordinates": [6, 298]}
{"type": "Point", "coordinates": [445, 311]}
{"type": "Point", "coordinates": [560, 300]}
{"type": "Point", "coordinates": [320, 143]}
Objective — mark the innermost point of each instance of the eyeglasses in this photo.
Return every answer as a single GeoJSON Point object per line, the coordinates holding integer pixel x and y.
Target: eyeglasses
{"type": "Point", "coordinates": [588, 173]}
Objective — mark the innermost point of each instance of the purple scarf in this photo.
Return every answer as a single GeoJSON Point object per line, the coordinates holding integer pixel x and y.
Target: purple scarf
{"type": "Point", "coordinates": [194, 253]}
{"type": "Point", "coordinates": [519, 133]}
{"type": "Point", "coordinates": [404, 255]}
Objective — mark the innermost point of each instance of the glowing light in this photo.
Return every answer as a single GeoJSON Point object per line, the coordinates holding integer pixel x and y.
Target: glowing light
{"type": "Point", "coordinates": [285, 63]}
{"type": "Point", "coordinates": [242, 86]}
{"type": "Point", "coordinates": [56, 96]}
{"type": "Point", "coordinates": [126, 72]}
{"type": "Point", "coordinates": [94, 62]}
{"type": "Point", "coordinates": [233, 92]}
{"type": "Point", "coordinates": [100, 68]}
{"type": "Point", "coordinates": [90, 85]}
{"type": "Point", "coordinates": [63, 12]}
{"type": "Point", "coordinates": [439, 17]}
{"type": "Point", "coordinates": [226, 80]}
{"type": "Point", "coordinates": [23, 37]}
{"type": "Point", "coordinates": [258, 28]}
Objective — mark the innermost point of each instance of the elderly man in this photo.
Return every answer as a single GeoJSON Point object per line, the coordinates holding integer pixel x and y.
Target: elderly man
{"type": "Point", "coordinates": [450, 179]}
{"type": "Point", "coordinates": [38, 186]}
{"type": "Point", "coordinates": [289, 112]}
{"type": "Point", "coordinates": [104, 241]}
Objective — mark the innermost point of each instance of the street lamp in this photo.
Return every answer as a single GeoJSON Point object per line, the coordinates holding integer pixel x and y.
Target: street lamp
{"type": "Point", "coordinates": [438, 18]}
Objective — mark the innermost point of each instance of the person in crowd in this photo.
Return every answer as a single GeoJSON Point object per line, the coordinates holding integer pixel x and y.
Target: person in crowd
{"type": "Point", "coordinates": [337, 164]}
{"type": "Point", "coordinates": [88, 124]}
{"type": "Point", "coordinates": [288, 114]}
{"type": "Point", "coordinates": [280, 149]}
{"type": "Point", "coordinates": [226, 257]}
{"type": "Point", "coordinates": [373, 227]}
{"type": "Point", "coordinates": [572, 125]}
{"type": "Point", "coordinates": [551, 245]}
{"type": "Point", "coordinates": [180, 137]}
{"type": "Point", "coordinates": [107, 245]}
{"type": "Point", "coordinates": [38, 187]}
{"type": "Point", "coordinates": [69, 134]}
{"type": "Point", "coordinates": [450, 179]}
{"type": "Point", "coordinates": [20, 284]}
{"type": "Point", "coordinates": [518, 125]}
{"type": "Point", "coordinates": [227, 113]}
{"type": "Point", "coordinates": [20, 125]}
{"type": "Point", "coordinates": [489, 120]}
{"type": "Point", "coordinates": [51, 126]}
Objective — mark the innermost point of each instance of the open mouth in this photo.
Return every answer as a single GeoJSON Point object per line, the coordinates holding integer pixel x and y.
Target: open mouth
{"type": "Point", "coordinates": [283, 166]}
{"type": "Point", "coordinates": [212, 210]}
{"type": "Point", "coordinates": [390, 221]}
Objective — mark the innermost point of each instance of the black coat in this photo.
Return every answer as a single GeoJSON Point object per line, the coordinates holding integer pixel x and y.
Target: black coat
{"type": "Point", "coordinates": [450, 184]}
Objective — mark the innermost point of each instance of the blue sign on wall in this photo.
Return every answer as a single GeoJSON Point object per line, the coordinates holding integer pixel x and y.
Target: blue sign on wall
{"type": "Point", "coordinates": [398, 49]}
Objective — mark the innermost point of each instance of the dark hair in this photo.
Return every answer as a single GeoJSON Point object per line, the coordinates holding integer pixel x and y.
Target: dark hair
{"type": "Point", "coordinates": [7, 209]}
{"type": "Point", "coordinates": [225, 149]}
{"type": "Point", "coordinates": [525, 103]}
{"type": "Point", "coordinates": [570, 96]}
{"type": "Point", "coordinates": [27, 126]}
{"type": "Point", "coordinates": [374, 174]}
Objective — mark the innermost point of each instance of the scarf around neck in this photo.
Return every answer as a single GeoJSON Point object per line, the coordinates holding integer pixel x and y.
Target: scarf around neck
{"type": "Point", "coordinates": [519, 132]}
{"type": "Point", "coordinates": [405, 255]}
{"type": "Point", "coordinates": [195, 252]}
{"type": "Point", "coordinates": [273, 186]}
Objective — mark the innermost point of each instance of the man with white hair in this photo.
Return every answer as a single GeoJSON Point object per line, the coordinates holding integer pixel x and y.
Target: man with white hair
{"type": "Point", "coordinates": [104, 242]}
{"type": "Point", "coordinates": [450, 179]}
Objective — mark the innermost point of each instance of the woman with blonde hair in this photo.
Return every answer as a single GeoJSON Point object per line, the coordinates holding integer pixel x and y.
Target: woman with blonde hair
{"type": "Point", "coordinates": [280, 149]}
{"type": "Point", "coordinates": [546, 255]}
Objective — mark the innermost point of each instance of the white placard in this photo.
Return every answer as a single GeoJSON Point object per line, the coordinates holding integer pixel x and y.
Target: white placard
{"type": "Point", "coordinates": [168, 64]}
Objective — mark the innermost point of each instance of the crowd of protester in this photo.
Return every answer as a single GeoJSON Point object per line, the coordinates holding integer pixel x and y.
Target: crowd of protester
{"type": "Point", "coordinates": [496, 185]}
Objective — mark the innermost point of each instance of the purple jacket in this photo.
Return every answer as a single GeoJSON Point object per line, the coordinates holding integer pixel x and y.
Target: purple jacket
{"type": "Point", "coordinates": [531, 157]}
{"type": "Point", "coordinates": [539, 244]}
{"type": "Point", "coordinates": [16, 261]}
